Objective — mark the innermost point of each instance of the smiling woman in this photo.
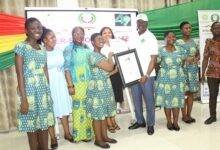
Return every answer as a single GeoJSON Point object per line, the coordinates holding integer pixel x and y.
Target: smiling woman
{"type": "Point", "coordinates": [100, 103]}
{"type": "Point", "coordinates": [11, 32]}
{"type": "Point", "coordinates": [35, 114]}
{"type": "Point", "coordinates": [191, 69]}
{"type": "Point", "coordinates": [170, 84]}
{"type": "Point", "coordinates": [58, 86]}
{"type": "Point", "coordinates": [115, 77]}
{"type": "Point", "coordinates": [77, 72]}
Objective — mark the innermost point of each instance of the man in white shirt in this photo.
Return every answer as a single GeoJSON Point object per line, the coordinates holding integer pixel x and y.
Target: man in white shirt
{"type": "Point", "coordinates": [147, 50]}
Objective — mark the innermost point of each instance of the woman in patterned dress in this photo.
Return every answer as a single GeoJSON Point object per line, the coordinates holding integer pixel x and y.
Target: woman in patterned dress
{"type": "Point", "coordinates": [171, 80]}
{"type": "Point", "coordinates": [115, 79]}
{"type": "Point", "coordinates": [36, 110]}
{"type": "Point", "coordinates": [77, 72]}
{"type": "Point", "coordinates": [100, 103]}
{"type": "Point", "coordinates": [191, 69]}
{"type": "Point", "coordinates": [58, 86]}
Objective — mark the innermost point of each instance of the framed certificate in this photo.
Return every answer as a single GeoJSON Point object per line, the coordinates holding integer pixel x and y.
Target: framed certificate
{"type": "Point", "coordinates": [129, 67]}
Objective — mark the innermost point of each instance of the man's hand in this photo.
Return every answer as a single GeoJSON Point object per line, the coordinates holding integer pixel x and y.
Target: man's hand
{"type": "Point", "coordinates": [143, 79]}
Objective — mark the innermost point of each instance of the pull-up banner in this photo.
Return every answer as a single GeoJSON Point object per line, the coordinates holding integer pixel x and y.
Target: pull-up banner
{"type": "Point", "coordinates": [121, 21]}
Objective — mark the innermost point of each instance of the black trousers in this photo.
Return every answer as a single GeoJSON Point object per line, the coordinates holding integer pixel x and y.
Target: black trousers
{"type": "Point", "coordinates": [213, 84]}
{"type": "Point", "coordinates": [117, 86]}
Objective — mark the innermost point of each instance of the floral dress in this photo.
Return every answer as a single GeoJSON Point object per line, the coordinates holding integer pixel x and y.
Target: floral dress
{"type": "Point", "coordinates": [40, 113]}
{"type": "Point", "coordinates": [191, 70]}
{"type": "Point", "coordinates": [101, 102]}
{"type": "Point", "coordinates": [171, 81]}
{"type": "Point", "coordinates": [212, 51]}
{"type": "Point", "coordinates": [77, 62]}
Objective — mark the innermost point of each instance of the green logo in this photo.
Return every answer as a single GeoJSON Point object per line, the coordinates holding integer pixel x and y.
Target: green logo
{"type": "Point", "coordinates": [215, 17]}
{"type": "Point", "coordinates": [87, 18]}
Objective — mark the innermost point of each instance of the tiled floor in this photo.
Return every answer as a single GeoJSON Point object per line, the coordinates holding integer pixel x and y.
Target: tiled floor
{"type": "Point", "coordinates": [195, 136]}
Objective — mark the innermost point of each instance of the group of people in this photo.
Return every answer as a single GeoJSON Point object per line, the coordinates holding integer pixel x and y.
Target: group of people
{"type": "Point", "coordinates": [177, 75]}
{"type": "Point", "coordinates": [54, 83]}
{"type": "Point", "coordinates": [86, 83]}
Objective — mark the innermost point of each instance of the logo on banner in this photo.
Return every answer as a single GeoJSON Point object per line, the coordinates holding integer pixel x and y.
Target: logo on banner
{"type": "Point", "coordinates": [122, 20]}
{"type": "Point", "coordinates": [215, 17]}
{"type": "Point", "coordinates": [205, 17]}
{"type": "Point", "coordinates": [87, 18]}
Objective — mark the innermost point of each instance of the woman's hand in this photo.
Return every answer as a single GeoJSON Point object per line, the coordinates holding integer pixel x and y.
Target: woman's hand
{"type": "Point", "coordinates": [196, 60]}
{"type": "Point", "coordinates": [192, 60]}
{"type": "Point", "coordinates": [110, 54]}
{"type": "Point", "coordinates": [71, 90]}
{"type": "Point", "coordinates": [189, 60]}
{"type": "Point", "coordinates": [70, 86]}
{"type": "Point", "coordinates": [24, 107]}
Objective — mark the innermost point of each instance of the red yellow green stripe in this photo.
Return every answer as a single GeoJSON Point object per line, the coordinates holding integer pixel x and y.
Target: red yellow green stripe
{"type": "Point", "coordinates": [8, 42]}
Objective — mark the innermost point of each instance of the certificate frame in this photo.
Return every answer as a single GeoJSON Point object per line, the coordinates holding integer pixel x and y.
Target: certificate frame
{"type": "Point", "coordinates": [129, 67]}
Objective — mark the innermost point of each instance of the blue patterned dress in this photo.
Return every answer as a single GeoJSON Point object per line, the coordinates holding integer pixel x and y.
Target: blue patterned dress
{"type": "Point", "coordinates": [191, 70]}
{"type": "Point", "coordinates": [40, 114]}
{"type": "Point", "coordinates": [100, 103]}
{"type": "Point", "coordinates": [170, 85]}
{"type": "Point", "coordinates": [77, 62]}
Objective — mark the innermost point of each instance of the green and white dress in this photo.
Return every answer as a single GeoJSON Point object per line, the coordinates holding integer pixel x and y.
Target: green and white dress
{"type": "Point", "coordinates": [77, 62]}
{"type": "Point", "coordinates": [100, 102]}
{"type": "Point", "coordinates": [170, 85]}
{"type": "Point", "coordinates": [191, 70]}
{"type": "Point", "coordinates": [40, 114]}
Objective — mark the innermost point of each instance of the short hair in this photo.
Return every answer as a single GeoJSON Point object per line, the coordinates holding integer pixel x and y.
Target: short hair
{"type": "Point", "coordinates": [102, 30]}
{"type": "Point", "coordinates": [77, 27]}
{"type": "Point", "coordinates": [214, 23]}
{"type": "Point", "coordinates": [183, 23]}
{"type": "Point", "coordinates": [30, 21]}
{"type": "Point", "coordinates": [44, 34]}
{"type": "Point", "coordinates": [167, 32]}
{"type": "Point", "coordinates": [94, 35]}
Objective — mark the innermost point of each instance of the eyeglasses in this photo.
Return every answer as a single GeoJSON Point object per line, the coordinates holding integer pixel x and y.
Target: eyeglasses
{"type": "Point", "coordinates": [79, 34]}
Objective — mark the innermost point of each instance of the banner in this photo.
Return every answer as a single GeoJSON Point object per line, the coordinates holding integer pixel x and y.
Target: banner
{"type": "Point", "coordinates": [121, 21]}
{"type": "Point", "coordinates": [206, 18]}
